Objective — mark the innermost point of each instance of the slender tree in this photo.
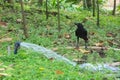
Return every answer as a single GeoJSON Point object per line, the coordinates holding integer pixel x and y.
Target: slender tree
{"type": "Point", "coordinates": [89, 4]}
{"type": "Point", "coordinates": [46, 9]}
{"type": "Point", "coordinates": [98, 14]}
{"type": "Point", "coordinates": [58, 16]}
{"type": "Point", "coordinates": [84, 4]}
{"type": "Point", "coordinates": [93, 8]}
{"type": "Point", "coordinates": [23, 19]}
{"type": "Point", "coordinates": [40, 2]}
{"type": "Point", "coordinates": [114, 8]}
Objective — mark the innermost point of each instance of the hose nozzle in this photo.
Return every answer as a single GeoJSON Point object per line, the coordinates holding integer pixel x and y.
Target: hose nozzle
{"type": "Point", "coordinates": [16, 47]}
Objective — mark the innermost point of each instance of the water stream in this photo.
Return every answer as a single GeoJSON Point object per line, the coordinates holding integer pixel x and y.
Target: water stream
{"type": "Point", "coordinates": [51, 54]}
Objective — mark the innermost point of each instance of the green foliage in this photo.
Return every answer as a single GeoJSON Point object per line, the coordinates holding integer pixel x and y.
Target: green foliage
{"type": "Point", "coordinates": [118, 8]}
{"type": "Point", "coordinates": [29, 65]}
{"type": "Point", "coordinates": [102, 1]}
{"type": "Point", "coordinates": [38, 67]}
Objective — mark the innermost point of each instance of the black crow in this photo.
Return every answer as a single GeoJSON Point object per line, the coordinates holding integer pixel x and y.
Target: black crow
{"type": "Point", "coordinates": [81, 32]}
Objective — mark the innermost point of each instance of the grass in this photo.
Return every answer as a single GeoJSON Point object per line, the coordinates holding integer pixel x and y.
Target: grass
{"type": "Point", "coordinates": [29, 65]}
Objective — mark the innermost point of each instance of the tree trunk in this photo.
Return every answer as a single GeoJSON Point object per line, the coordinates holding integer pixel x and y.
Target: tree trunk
{"type": "Point", "coordinates": [46, 9]}
{"type": "Point", "coordinates": [114, 8]}
{"type": "Point", "coordinates": [98, 14]}
{"type": "Point", "coordinates": [58, 16]}
{"type": "Point", "coordinates": [84, 4]}
{"type": "Point", "coordinates": [23, 20]}
{"type": "Point", "coordinates": [93, 8]}
{"type": "Point", "coordinates": [89, 4]}
{"type": "Point", "coordinates": [40, 2]}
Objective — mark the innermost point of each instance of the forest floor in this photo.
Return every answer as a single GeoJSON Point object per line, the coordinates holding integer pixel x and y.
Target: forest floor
{"type": "Point", "coordinates": [28, 64]}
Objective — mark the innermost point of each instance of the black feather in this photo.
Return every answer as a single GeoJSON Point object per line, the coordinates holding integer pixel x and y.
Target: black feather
{"type": "Point", "coordinates": [81, 32]}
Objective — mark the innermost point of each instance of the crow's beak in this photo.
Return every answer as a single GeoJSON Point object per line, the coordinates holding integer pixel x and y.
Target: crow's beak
{"type": "Point", "coordinates": [16, 47]}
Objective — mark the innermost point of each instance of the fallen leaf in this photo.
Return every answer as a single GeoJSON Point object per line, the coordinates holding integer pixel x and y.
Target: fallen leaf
{"type": "Point", "coordinates": [2, 69]}
{"type": "Point", "coordinates": [59, 72]}
{"type": "Point", "coordinates": [4, 74]}
{"type": "Point", "coordinates": [84, 51]}
{"type": "Point", "coordinates": [19, 20]}
{"type": "Point", "coordinates": [55, 49]}
{"type": "Point", "coordinates": [3, 24]}
{"type": "Point", "coordinates": [51, 59]}
{"type": "Point", "coordinates": [5, 39]}
{"type": "Point", "coordinates": [67, 36]}
{"type": "Point", "coordinates": [99, 44]}
{"type": "Point", "coordinates": [110, 34]}
{"type": "Point", "coordinates": [110, 42]}
{"type": "Point", "coordinates": [79, 61]}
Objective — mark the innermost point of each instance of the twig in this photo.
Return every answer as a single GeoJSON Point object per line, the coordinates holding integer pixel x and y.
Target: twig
{"type": "Point", "coordinates": [4, 74]}
{"type": "Point", "coordinates": [2, 69]}
{"type": "Point", "coordinates": [95, 48]}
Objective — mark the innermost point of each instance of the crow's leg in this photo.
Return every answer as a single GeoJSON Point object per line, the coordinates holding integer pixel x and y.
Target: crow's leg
{"type": "Point", "coordinates": [77, 44]}
{"type": "Point", "coordinates": [86, 44]}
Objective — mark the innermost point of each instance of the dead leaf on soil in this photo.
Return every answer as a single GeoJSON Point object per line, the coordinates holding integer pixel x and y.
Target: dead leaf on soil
{"type": "Point", "coordinates": [99, 44]}
{"type": "Point", "coordinates": [4, 74]}
{"type": "Point", "coordinates": [79, 61]}
{"type": "Point", "coordinates": [110, 42]}
{"type": "Point", "coordinates": [110, 34]}
{"type": "Point", "coordinates": [3, 24]}
{"type": "Point", "coordinates": [5, 39]}
{"type": "Point", "coordinates": [59, 72]}
{"type": "Point", "coordinates": [84, 51]}
{"type": "Point", "coordinates": [67, 36]}
{"type": "Point", "coordinates": [51, 59]}
{"type": "Point", "coordinates": [55, 49]}
{"type": "Point", "coordinates": [2, 69]}
{"type": "Point", "coordinates": [19, 20]}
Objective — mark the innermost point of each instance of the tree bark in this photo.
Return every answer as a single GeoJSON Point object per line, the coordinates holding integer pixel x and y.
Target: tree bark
{"type": "Point", "coordinates": [89, 4]}
{"type": "Point", "coordinates": [23, 19]}
{"type": "Point", "coordinates": [114, 8]}
{"type": "Point", "coordinates": [93, 8]}
{"type": "Point", "coordinates": [84, 4]}
{"type": "Point", "coordinates": [58, 8]}
{"type": "Point", "coordinates": [40, 2]}
{"type": "Point", "coordinates": [46, 9]}
{"type": "Point", "coordinates": [98, 14]}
